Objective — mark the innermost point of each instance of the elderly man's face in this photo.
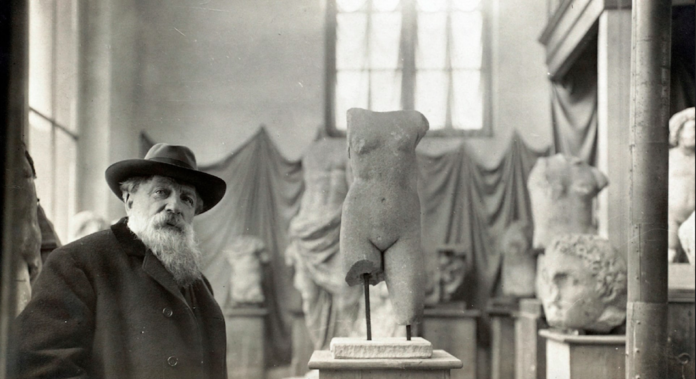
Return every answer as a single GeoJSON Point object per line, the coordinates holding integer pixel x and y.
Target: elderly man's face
{"type": "Point", "coordinates": [162, 195]}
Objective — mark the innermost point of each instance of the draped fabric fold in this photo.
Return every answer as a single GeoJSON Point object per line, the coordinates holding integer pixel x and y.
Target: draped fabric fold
{"type": "Point", "coordinates": [263, 193]}
{"type": "Point", "coordinates": [462, 202]}
{"type": "Point", "coordinates": [574, 109]}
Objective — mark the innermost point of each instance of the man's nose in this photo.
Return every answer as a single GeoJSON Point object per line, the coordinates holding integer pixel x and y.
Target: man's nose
{"type": "Point", "coordinates": [174, 204]}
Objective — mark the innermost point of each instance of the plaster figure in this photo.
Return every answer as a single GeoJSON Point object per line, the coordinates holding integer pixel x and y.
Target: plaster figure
{"type": "Point", "coordinates": [582, 284]}
{"type": "Point", "coordinates": [682, 178]}
{"type": "Point", "coordinates": [380, 229]}
{"type": "Point", "coordinates": [246, 255]}
{"type": "Point", "coordinates": [561, 189]}
{"type": "Point", "coordinates": [86, 223]}
{"type": "Point", "coordinates": [329, 305]}
{"type": "Point", "coordinates": [26, 233]}
{"type": "Point", "coordinates": [519, 261]}
{"type": "Point", "coordinates": [687, 238]}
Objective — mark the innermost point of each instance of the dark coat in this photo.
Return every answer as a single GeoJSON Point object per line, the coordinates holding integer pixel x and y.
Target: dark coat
{"type": "Point", "coordinates": [105, 307]}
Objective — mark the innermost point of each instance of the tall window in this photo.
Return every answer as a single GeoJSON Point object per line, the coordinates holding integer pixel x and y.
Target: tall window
{"type": "Point", "coordinates": [52, 106]}
{"type": "Point", "coordinates": [427, 55]}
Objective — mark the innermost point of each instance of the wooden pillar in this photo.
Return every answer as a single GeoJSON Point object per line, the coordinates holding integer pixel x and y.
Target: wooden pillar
{"type": "Point", "coordinates": [613, 99]}
{"type": "Point", "coordinates": [14, 31]}
{"type": "Point", "coordinates": [530, 348]}
{"type": "Point", "coordinates": [647, 255]}
{"type": "Point", "coordinates": [245, 342]}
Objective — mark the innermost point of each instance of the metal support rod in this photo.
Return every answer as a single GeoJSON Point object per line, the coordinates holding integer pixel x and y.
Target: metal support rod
{"type": "Point", "coordinates": [408, 332]}
{"type": "Point", "coordinates": [646, 334]}
{"type": "Point", "coordinates": [366, 285]}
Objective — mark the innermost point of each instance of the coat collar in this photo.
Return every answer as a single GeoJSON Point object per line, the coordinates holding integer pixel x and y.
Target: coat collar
{"type": "Point", "coordinates": [151, 265]}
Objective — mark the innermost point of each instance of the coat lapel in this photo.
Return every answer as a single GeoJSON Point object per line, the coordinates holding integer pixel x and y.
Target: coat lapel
{"type": "Point", "coordinates": [153, 267]}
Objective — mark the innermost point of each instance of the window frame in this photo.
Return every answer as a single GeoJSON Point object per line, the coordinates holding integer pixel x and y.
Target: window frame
{"type": "Point", "coordinates": [409, 16]}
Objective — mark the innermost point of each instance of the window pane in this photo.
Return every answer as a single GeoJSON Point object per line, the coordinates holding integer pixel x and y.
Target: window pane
{"type": "Point", "coordinates": [431, 45]}
{"type": "Point", "coordinates": [385, 91]}
{"type": "Point", "coordinates": [465, 5]}
{"type": "Point", "coordinates": [351, 91]}
{"type": "Point", "coordinates": [41, 150]}
{"type": "Point", "coordinates": [64, 186]}
{"type": "Point", "coordinates": [431, 96]}
{"type": "Point", "coordinates": [66, 65]}
{"type": "Point", "coordinates": [40, 55]}
{"type": "Point", "coordinates": [350, 5]}
{"type": "Point", "coordinates": [385, 33]}
{"type": "Point", "coordinates": [467, 100]}
{"type": "Point", "coordinates": [351, 44]}
{"type": "Point", "coordinates": [385, 5]}
{"type": "Point", "coordinates": [466, 39]}
{"type": "Point", "coordinates": [432, 5]}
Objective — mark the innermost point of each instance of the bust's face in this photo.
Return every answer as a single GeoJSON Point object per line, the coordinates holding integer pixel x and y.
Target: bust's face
{"type": "Point", "coordinates": [567, 291]}
{"type": "Point", "coordinates": [687, 135]}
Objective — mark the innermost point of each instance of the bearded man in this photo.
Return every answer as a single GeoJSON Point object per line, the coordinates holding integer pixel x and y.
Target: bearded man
{"type": "Point", "coordinates": [131, 302]}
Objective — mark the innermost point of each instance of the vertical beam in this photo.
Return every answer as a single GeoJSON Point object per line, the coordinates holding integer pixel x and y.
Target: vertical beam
{"type": "Point", "coordinates": [613, 100]}
{"type": "Point", "coordinates": [14, 31]}
{"type": "Point", "coordinates": [647, 257]}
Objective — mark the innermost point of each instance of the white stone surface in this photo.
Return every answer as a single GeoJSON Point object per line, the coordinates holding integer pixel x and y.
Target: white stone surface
{"type": "Point", "coordinates": [392, 348]}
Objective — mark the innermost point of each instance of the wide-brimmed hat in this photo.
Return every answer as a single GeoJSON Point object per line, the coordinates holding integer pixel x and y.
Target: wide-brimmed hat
{"type": "Point", "coordinates": [176, 162]}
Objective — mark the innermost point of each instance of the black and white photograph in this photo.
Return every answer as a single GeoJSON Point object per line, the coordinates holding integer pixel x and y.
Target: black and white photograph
{"type": "Point", "coordinates": [343, 189]}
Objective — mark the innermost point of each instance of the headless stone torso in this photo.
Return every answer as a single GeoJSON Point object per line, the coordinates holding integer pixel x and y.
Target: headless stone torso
{"type": "Point", "coordinates": [380, 227]}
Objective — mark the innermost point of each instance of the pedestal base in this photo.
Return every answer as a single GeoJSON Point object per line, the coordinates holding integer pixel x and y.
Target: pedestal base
{"type": "Point", "coordinates": [501, 312]}
{"type": "Point", "coordinates": [454, 330]}
{"type": "Point", "coordinates": [436, 367]}
{"type": "Point", "coordinates": [584, 357]}
{"type": "Point", "coordinates": [530, 347]}
{"type": "Point", "coordinates": [380, 348]}
{"type": "Point", "coordinates": [245, 336]}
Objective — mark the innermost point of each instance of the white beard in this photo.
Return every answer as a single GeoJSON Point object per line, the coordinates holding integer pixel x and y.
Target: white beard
{"type": "Point", "coordinates": [175, 247]}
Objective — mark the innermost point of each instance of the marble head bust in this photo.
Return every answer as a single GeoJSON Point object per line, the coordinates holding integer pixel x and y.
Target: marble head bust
{"type": "Point", "coordinates": [582, 283]}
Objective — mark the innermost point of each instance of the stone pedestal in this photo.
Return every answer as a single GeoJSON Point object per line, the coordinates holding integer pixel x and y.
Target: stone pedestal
{"type": "Point", "coordinates": [436, 367]}
{"type": "Point", "coordinates": [302, 346]}
{"type": "Point", "coordinates": [245, 348]}
{"type": "Point", "coordinates": [501, 313]}
{"type": "Point", "coordinates": [454, 330]}
{"type": "Point", "coordinates": [530, 347]}
{"type": "Point", "coordinates": [681, 340]}
{"type": "Point", "coordinates": [584, 357]}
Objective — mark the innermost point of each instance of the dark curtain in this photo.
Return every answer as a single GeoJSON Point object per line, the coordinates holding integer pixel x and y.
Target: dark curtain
{"type": "Point", "coordinates": [574, 108]}
{"type": "Point", "coordinates": [462, 202]}
{"type": "Point", "coordinates": [683, 57]}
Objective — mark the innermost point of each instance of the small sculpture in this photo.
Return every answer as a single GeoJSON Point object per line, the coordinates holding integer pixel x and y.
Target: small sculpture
{"type": "Point", "coordinates": [380, 228]}
{"type": "Point", "coordinates": [582, 284]}
{"type": "Point", "coordinates": [561, 189]}
{"type": "Point", "coordinates": [86, 223]}
{"type": "Point", "coordinates": [682, 187]}
{"type": "Point", "coordinates": [246, 255]}
{"type": "Point", "coordinates": [687, 238]}
{"type": "Point", "coordinates": [449, 278]}
{"type": "Point", "coordinates": [519, 261]}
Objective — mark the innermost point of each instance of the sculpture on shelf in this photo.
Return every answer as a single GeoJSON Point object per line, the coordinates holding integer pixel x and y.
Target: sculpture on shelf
{"type": "Point", "coordinates": [446, 283]}
{"type": "Point", "coordinates": [330, 307]}
{"type": "Point", "coordinates": [519, 261]}
{"type": "Point", "coordinates": [26, 234]}
{"type": "Point", "coordinates": [582, 284]}
{"type": "Point", "coordinates": [682, 186]}
{"type": "Point", "coordinates": [687, 238]}
{"type": "Point", "coordinates": [84, 224]}
{"type": "Point", "coordinates": [380, 229]}
{"type": "Point", "coordinates": [561, 189]}
{"type": "Point", "coordinates": [246, 255]}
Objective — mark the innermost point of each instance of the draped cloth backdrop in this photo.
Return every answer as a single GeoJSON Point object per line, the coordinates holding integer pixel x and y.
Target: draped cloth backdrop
{"type": "Point", "coordinates": [574, 109]}
{"type": "Point", "coordinates": [462, 202]}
